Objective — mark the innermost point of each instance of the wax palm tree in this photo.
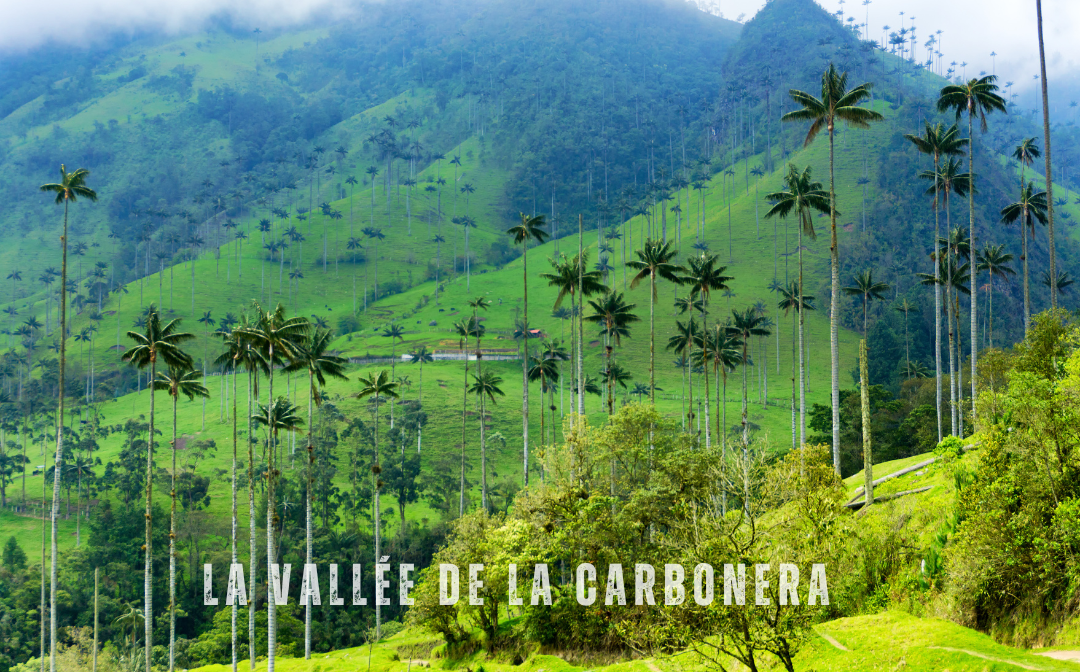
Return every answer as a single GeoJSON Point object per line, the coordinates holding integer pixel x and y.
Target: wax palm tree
{"type": "Point", "coordinates": [682, 342]}
{"type": "Point", "coordinates": [906, 307]}
{"type": "Point", "coordinates": [978, 98]}
{"type": "Point", "coordinates": [801, 198]}
{"type": "Point", "coordinates": [377, 386]}
{"type": "Point", "coordinates": [994, 260]}
{"type": "Point", "coordinates": [940, 143]}
{"type": "Point", "coordinates": [614, 315]}
{"type": "Point", "coordinates": [230, 360]}
{"type": "Point", "coordinates": [1052, 274]}
{"type": "Point", "coordinates": [544, 370]}
{"type": "Point", "coordinates": [464, 329]}
{"type": "Point", "coordinates": [1063, 280]}
{"type": "Point", "coordinates": [570, 277]}
{"type": "Point", "coordinates": [836, 104]}
{"type": "Point", "coordinates": [720, 349]}
{"type": "Point", "coordinates": [186, 382]}
{"type": "Point", "coordinates": [70, 188]}
{"type": "Point", "coordinates": [1030, 208]}
{"type": "Point", "coordinates": [375, 235]}
{"type": "Point", "coordinates": [395, 332]}
{"type": "Point", "coordinates": [529, 229]}
{"type": "Point", "coordinates": [420, 356]}
{"type": "Point", "coordinates": [746, 324]}
{"type": "Point", "coordinates": [276, 338]}
{"type": "Point", "coordinates": [794, 301]}
{"type": "Point", "coordinates": [655, 259]}
{"type": "Point", "coordinates": [486, 387]}
{"type": "Point", "coordinates": [867, 289]}
{"type": "Point", "coordinates": [157, 342]}
{"type": "Point", "coordinates": [1025, 154]}
{"type": "Point", "coordinates": [703, 276]}
{"type": "Point", "coordinates": [313, 355]}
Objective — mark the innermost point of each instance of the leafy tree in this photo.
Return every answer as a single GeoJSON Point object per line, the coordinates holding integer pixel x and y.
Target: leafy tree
{"type": "Point", "coordinates": [867, 289]}
{"type": "Point", "coordinates": [486, 387]}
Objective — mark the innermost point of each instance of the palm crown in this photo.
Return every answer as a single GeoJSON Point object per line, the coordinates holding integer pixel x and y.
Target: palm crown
{"type": "Point", "coordinates": [836, 103]}
{"type": "Point", "coordinates": [802, 196]}
{"type": "Point", "coordinates": [158, 341]}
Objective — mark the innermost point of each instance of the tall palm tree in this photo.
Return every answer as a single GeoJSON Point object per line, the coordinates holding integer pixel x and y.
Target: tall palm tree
{"type": "Point", "coordinates": [176, 381]}
{"type": "Point", "coordinates": [70, 188]}
{"type": "Point", "coordinates": [867, 289]}
{"type": "Point", "coordinates": [313, 355]}
{"type": "Point", "coordinates": [682, 341]}
{"type": "Point", "coordinates": [530, 228]}
{"type": "Point", "coordinates": [464, 329]}
{"type": "Point", "coordinates": [906, 307]}
{"type": "Point", "coordinates": [277, 339]}
{"type": "Point", "coordinates": [156, 342]}
{"type": "Point", "coordinates": [230, 360]}
{"type": "Point", "coordinates": [614, 315]}
{"type": "Point", "coordinates": [377, 386]}
{"type": "Point", "coordinates": [994, 260]}
{"type": "Point", "coordinates": [801, 198]}
{"type": "Point", "coordinates": [1030, 208]}
{"type": "Point", "coordinates": [655, 259]}
{"type": "Point", "coordinates": [794, 301]}
{"type": "Point", "coordinates": [570, 277]}
{"type": "Point", "coordinates": [544, 370]}
{"type": "Point", "coordinates": [977, 98]}
{"type": "Point", "coordinates": [746, 324]}
{"type": "Point", "coordinates": [1063, 280]}
{"type": "Point", "coordinates": [703, 276]}
{"type": "Point", "coordinates": [486, 387]}
{"type": "Point", "coordinates": [719, 348]}
{"type": "Point", "coordinates": [420, 356]}
{"type": "Point", "coordinates": [837, 103]}
{"type": "Point", "coordinates": [940, 143]}
{"type": "Point", "coordinates": [395, 332]}
{"type": "Point", "coordinates": [1052, 274]}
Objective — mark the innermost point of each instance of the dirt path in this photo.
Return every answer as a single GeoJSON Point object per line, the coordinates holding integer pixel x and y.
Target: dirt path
{"type": "Point", "coordinates": [985, 657]}
{"type": "Point", "coordinates": [833, 641]}
{"type": "Point", "coordinates": [1070, 656]}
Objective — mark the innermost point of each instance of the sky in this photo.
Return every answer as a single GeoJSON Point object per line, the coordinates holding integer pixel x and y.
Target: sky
{"type": "Point", "coordinates": [972, 29]}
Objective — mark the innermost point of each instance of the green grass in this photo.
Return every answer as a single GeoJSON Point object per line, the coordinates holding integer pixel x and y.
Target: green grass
{"type": "Point", "coordinates": [888, 641]}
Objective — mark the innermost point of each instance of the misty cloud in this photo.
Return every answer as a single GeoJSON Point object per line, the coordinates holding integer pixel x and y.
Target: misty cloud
{"type": "Point", "coordinates": [83, 21]}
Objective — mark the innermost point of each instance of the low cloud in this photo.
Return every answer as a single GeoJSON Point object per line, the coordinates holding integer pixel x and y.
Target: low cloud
{"type": "Point", "coordinates": [81, 22]}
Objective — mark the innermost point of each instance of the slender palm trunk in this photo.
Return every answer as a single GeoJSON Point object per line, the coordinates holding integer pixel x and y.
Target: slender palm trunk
{"type": "Point", "coordinates": [148, 592]}
{"type": "Point", "coordinates": [708, 429]}
{"type": "Point", "coordinates": [802, 348]}
{"type": "Point", "coordinates": [525, 366]}
{"type": "Point", "coordinates": [952, 356]}
{"type": "Point", "coordinates": [419, 407]}
{"type": "Point", "coordinates": [58, 460]}
{"type": "Point", "coordinates": [307, 509]}
{"type": "Point", "coordinates": [378, 531]}
{"type": "Point", "coordinates": [1024, 255]}
{"type": "Point", "coordinates": [974, 300]}
{"type": "Point", "coordinates": [581, 325]}
{"type": "Point", "coordinates": [723, 438]}
{"type": "Point", "coordinates": [464, 411]}
{"type": "Point", "coordinates": [252, 551]}
{"type": "Point", "coordinates": [868, 461]}
{"type": "Point", "coordinates": [172, 542]}
{"type": "Point", "coordinates": [794, 412]}
{"type": "Point", "coordinates": [937, 292]}
{"type": "Point", "coordinates": [1049, 166]}
{"type": "Point", "coordinates": [271, 593]}
{"type": "Point", "coordinates": [834, 308]}
{"type": "Point", "coordinates": [232, 538]}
